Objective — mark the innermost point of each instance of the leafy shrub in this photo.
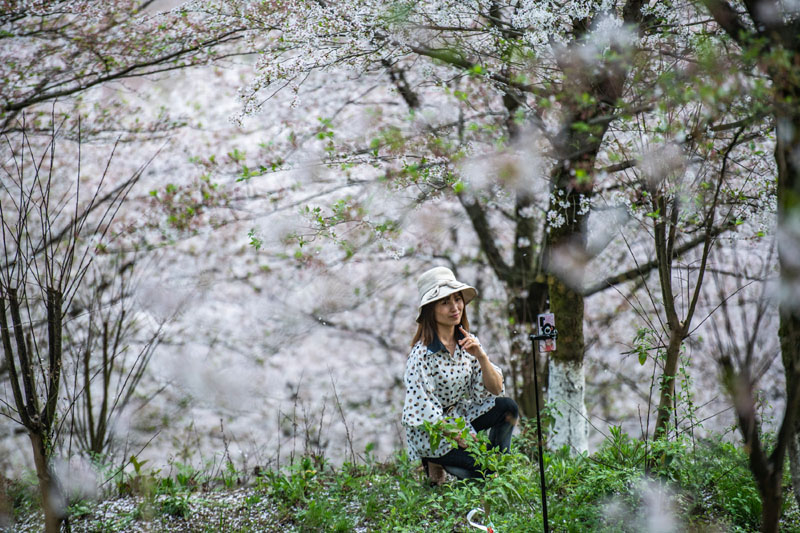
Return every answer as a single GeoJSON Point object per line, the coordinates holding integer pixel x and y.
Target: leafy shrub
{"type": "Point", "coordinates": [21, 495]}
{"type": "Point", "coordinates": [177, 505]}
{"type": "Point", "coordinates": [293, 486]}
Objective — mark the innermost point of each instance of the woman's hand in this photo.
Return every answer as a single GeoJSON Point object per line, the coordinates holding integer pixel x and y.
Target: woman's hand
{"type": "Point", "coordinates": [471, 344]}
{"type": "Point", "coordinates": [492, 381]}
{"type": "Point", "coordinates": [459, 438]}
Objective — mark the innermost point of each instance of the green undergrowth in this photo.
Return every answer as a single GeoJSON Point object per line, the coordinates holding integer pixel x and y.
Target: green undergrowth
{"type": "Point", "coordinates": [627, 486]}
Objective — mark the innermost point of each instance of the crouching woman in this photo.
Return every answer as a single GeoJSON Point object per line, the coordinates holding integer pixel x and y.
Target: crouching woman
{"type": "Point", "coordinates": [449, 375]}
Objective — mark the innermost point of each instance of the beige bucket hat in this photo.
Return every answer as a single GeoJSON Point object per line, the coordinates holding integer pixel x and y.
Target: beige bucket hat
{"type": "Point", "coordinates": [438, 283]}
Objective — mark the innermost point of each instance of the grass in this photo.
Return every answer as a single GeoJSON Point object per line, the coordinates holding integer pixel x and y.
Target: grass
{"type": "Point", "coordinates": [703, 486]}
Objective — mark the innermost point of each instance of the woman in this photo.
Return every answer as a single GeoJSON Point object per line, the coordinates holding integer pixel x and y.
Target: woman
{"type": "Point", "coordinates": [449, 375]}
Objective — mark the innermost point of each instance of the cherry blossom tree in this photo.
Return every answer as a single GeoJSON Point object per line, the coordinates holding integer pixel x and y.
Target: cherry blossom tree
{"type": "Point", "coordinates": [701, 173]}
{"type": "Point", "coordinates": [514, 109]}
{"type": "Point", "coordinates": [54, 51]}
{"type": "Point", "coordinates": [518, 121]}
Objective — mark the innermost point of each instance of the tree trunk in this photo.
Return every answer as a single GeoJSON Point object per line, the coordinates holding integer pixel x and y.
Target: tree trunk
{"type": "Point", "coordinates": [789, 333]}
{"type": "Point", "coordinates": [567, 383]}
{"type": "Point", "coordinates": [666, 401]}
{"type": "Point", "coordinates": [777, 39]}
{"type": "Point", "coordinates": [794, 459]}
{"type": "Point", "coordinates": [786, 155]}
{"type": "Point", "coordinates": [787, 145]}
{"type": "Point", "coordinates": [564, 256]}
{"type": "Point", "coordinates": [564, 251]}
{"type": "Point", "coordinates": [521, 356]}
{"type": "Point", "coordinates": [567, 391]}
{"type": "Point", "coordinates": [771, 499]}
{"type": "Point", "coordinates": [523, 311]}
{"type": "Point", "coordinates": [53, 502]}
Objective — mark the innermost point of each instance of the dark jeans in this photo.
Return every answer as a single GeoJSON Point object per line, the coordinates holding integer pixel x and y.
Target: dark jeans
{"type": "Point", "coordinates": [500, 423]}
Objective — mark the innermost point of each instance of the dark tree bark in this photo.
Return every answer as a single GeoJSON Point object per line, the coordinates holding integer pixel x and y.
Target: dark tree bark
{"type": "Point", "coordinates": [586, 121]}
{"type": "Point", "coordinates": [39, 422]}
{"type": "Point", "coordinates": [52, 497]}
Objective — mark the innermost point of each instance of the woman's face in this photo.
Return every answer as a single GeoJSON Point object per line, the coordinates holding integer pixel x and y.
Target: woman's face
{"type": "Point", "coordinates": [447, 311]}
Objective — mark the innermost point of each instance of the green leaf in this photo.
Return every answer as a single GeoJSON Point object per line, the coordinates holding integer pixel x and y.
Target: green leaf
{"type": "Point", "coordinates": [255, 242]}
{"type": "Point", "coordinates": [580, 126]}
{"type": "Point", "coordinates": [236, 155]}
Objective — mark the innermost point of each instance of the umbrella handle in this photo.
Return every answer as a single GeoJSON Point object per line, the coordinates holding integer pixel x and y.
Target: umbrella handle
{"type": "Point", "coordinates": [488, 529]}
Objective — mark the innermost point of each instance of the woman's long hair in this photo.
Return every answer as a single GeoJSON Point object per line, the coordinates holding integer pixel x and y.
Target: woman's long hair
{"type": "Point", "coordinates": [426, 329]}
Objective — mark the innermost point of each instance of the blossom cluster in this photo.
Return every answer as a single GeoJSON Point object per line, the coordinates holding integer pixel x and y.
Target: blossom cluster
{"type": "Point", "coordinates": [561, 209]}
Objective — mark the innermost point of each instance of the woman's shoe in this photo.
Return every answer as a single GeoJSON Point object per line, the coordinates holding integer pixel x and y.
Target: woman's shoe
{"type": "Point", "coordinates": [436, 474]}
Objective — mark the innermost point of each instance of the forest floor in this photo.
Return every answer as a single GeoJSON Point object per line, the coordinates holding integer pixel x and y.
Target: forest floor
{"type": "Point", "coordinates": [689, 487]}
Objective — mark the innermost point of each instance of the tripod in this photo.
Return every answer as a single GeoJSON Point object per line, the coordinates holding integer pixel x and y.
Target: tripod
{"type": "Point", "coordinates": [548, 332]}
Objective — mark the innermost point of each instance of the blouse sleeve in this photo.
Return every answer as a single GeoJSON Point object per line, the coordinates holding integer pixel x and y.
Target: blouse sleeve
{"type": "Point", "coordinates": [420, 404]}
{"type": "Point", "coordinates": [478, 392]}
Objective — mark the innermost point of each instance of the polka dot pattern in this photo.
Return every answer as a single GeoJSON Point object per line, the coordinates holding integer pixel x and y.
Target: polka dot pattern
{"type": "Point", "coordinates": [441, 386]}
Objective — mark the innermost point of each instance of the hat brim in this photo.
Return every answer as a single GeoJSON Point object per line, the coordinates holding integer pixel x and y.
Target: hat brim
{"type": "Point", "coordinates": [467, 292]}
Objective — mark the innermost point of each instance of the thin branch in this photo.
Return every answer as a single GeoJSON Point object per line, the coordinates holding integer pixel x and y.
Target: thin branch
{"type": "Point", "coordinates": [486, 237]}
{"type": "Point", "coordinates": [650, 265]}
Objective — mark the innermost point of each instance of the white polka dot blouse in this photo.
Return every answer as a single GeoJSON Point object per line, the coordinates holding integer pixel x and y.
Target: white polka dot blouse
{"type": "Point", "coordinates": [441, 386]}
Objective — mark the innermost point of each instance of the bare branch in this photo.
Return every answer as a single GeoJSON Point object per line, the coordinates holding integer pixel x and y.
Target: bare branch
{"type": "Point", "coordinates": [486, 237]}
